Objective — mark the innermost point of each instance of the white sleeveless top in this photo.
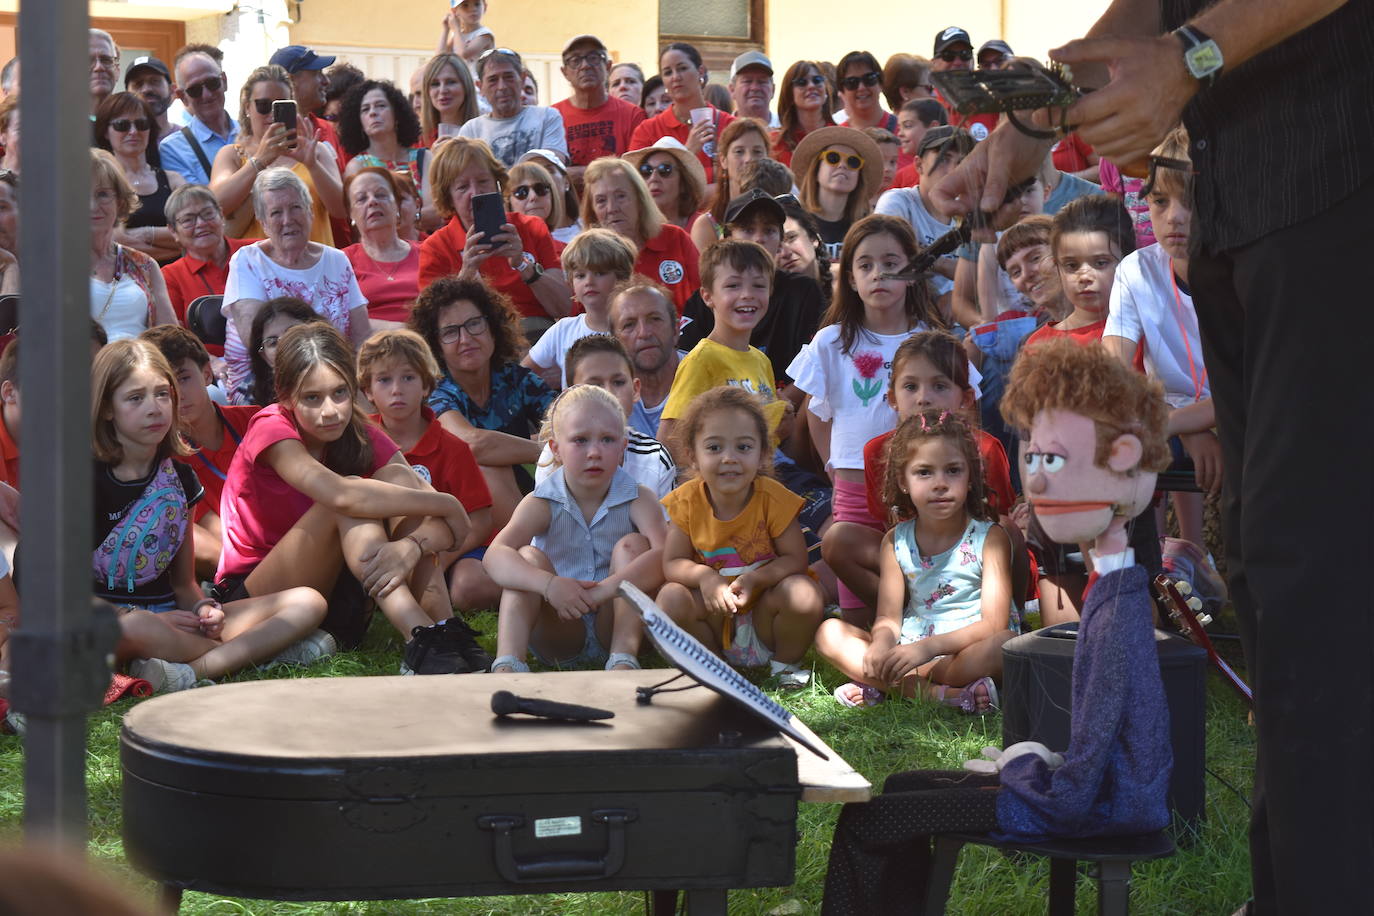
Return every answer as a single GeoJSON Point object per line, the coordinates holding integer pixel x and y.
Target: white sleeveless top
{"type": "Point", "coordinates": [121, 307]}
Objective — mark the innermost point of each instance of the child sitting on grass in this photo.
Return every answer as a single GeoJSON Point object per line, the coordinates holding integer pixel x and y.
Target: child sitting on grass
{"type": "Point", "coordinates": [944, 591]}
{"type": "Point", "coordinates": [397, 372]}
{"type": "Point", "coordinates": [596, 261]}
{"type": "Point", "coordinates": [735, 557]}
{"type": "Point", "coordinates": [586, 528]}
{"type": "Point", "coordinates": [601, 360]}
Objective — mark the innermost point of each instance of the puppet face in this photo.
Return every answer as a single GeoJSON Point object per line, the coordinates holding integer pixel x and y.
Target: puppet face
{"type": "Point", "coordinates": [1075, 498]}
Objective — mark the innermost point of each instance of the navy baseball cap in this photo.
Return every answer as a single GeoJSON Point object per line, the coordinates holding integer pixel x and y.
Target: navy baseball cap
{"type": "Point", "coordinates": [951, 36]}
{"type": "Point", "coordinates": [147, 63]}
{"type": "Point", "coordinates": [294, 58]}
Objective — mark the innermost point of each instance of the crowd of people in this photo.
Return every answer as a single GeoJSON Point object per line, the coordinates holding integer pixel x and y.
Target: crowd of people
{"type": "Point", "coordinates": [480, 353]}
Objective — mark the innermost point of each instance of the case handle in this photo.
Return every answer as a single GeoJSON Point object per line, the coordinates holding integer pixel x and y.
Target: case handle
{"type": "Point", "coordinates": [558, 866]}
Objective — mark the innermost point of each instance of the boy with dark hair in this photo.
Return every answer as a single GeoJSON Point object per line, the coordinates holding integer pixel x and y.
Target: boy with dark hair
{"type": "Point", "coordinates": [214, 432]}
{"type": "Point", "coordinates": [602, 361]}
{"type": "Point", "coordinates": [397, 371]}
{"type": "Point", "coordinates": [914, 119]}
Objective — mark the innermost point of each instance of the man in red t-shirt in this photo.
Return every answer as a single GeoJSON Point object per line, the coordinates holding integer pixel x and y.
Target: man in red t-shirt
{"type": "Point", "coordinates": [213, 431]}
{"type": "Point", "coordinates": [597, 123]}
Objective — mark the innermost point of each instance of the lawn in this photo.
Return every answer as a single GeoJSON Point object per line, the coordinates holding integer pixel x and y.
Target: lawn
{"type": "Point", "coordinates": [1210, 873]}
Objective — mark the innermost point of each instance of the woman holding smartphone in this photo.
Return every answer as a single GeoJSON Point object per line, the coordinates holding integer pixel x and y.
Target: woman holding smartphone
{"type": "Point", "coordinates": [514, 255]}
{"type": "Point", "coordinates": [262, 141]}
{"type": "Point", "coordinates": [691, 120]}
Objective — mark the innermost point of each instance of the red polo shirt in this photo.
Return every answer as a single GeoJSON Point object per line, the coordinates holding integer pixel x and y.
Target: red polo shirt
{"type": "Point", "coordinates": [212, 466]}
{"type": "Point", "coordinates": [670, 258]}
{"type": "Point", "coordinates": [9, 457]}
{"type": "Point", "coordinates": [446, 464]}
{"type": "Point", "coordinates": [442, 254]}
{"type": "Point", "coordinates": [189, 278]}
{"type": "Point", "coordinates": [666, 124]}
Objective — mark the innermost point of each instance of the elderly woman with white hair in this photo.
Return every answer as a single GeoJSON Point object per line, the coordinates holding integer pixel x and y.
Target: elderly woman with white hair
{"type": "Point", "coordinates": [287, 263]}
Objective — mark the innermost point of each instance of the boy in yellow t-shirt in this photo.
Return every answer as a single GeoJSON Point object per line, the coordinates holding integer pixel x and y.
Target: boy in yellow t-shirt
{"type": "Point", "coordinates": [736, 281]}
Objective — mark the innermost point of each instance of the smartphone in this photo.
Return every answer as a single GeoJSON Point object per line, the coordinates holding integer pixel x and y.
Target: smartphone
{"type": "Point", "coordinates": [488, 215]}
{"type": "Point", "coordinates": [284, 113]}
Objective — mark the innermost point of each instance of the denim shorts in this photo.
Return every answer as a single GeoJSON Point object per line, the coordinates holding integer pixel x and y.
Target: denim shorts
{"type": "Point", "coordinates": [593, 655]}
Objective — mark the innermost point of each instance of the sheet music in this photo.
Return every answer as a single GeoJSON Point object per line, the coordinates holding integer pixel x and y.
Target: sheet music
{"type": "Point", "coordinates": [687, 653]}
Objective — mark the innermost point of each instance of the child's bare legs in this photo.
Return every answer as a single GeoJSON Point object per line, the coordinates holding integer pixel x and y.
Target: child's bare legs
{"type": "Point", "coordinates": [255, 629]}
{"type": "Point", "coordinates": [360, 537]}
{"type": "Point", "coordinates": [470, 588]}
{"type": "Point", "coordinates": [505, 494]}
{"type": "Point", "coordinates": [1188, 510]}
{"type": "Point", "coordinates": [622, 630]}
{"type": "Point", "coordinates": [1060, 596]}
{"type": "Point", "coordinates": [979, 660]}
{"type": "Point", "coordinates": [844, 646]}
{"type": "Point", "coordinates": [688, 610]}
{"type": "Point", "coordinates": [525, 618]}
{"type": "Point", "coordinates": [1020, 560]}
{"type": "Point", "coordinates": [851, 550]}
{"type": "Point", "coordinates": [208, 542]}
{"type": "Point", "coordinates": [786, 617]}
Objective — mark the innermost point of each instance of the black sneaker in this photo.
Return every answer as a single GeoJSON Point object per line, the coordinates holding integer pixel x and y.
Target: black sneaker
{"type": "Point", "coordinates": [431, 651]}
{"type": "Point", "coordinates": [463, 638]}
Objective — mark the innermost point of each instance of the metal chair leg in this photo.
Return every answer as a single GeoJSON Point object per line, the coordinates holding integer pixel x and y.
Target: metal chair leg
{"type": "Point", "coordinates": [942, 866]}
{"type": "Point", "coordinates": [1063, 883]}
{"type": "Point", "coordinates": [1114, 888]}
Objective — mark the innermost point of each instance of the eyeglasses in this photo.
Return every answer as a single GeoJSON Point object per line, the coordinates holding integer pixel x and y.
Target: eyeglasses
{"type": "Point", "coordinates": [523, 191]}
{"type": "Point", "coordinates": [104, 195]}
{"type": "Point", "coordinates": [788, 200]}
{"type": "Point", "coordinates": [103, 61]}
{"type": "Point", "coordinates": [122, 125]}
{"type": "Point", "coordinates": [263, 106]}
{"type": "Point", "coordinates": [590, 59]}
{"type": "Point", "coordinates": [476, 326]}
{"type": "Point", "coordinates": [815, 79]}
{"type": "Point", "coordinates": [189, 220]}
{"type": "Point", "coordinates": [269, 343]}
{"type": "Point", "coordinates": [950, 57]}
{"type": "Point", "coordinates": [852, 161]}
{"type": "Point", "coordinates": [928, 87]}
{"type": "Point", "coordinates": [664, 169]}
{"type": "Point", "coordinates": [213, 84]}
{"type": "Point", "coordinates": [871, 78]}
{"type": "Point", "coordinates": [991, 60]}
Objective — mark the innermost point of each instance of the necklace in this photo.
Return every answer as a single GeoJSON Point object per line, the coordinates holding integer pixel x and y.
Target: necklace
{"type": "Point", "coordinates": [395, 265]}
{"type": "Point", "coordinates": [114, 284]}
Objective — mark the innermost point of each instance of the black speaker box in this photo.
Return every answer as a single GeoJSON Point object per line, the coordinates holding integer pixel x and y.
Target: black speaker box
{"type": "Point", "coordinates": [1037, 670]}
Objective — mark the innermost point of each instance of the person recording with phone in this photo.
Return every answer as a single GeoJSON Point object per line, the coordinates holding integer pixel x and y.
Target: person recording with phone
{"type": "Point", "coordinates": [513, 253]}
{"type": "Point", "coordinates": [271, 133]}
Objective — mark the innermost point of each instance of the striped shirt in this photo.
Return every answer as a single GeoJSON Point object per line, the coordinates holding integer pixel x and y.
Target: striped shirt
{"type": "Point", "coordinates": [577, 548]}
{"type": "Point", "coordinates": [1285, 135]}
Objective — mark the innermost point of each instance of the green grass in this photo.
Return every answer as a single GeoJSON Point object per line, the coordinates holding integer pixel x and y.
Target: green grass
{"type": "Point", "coordinates": [1208, 875]}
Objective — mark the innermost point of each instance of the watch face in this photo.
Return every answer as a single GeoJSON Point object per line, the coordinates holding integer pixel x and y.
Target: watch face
{"type": "Point", "coordinates": [1204, 59]}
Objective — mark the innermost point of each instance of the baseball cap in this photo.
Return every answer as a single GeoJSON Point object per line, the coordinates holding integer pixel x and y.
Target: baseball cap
{"type": "Point", "coordinates": [997, 45]}
{"type": "Point", "coordinates": [951, 36]}
{"type": "Point", "coordinates": [752, 198]}
{"type": "Point", "coordinates": [295, 58]}
{"type": "Point", "coordinates": [548, 155]}
{"type": "Point", "coordinates": [585, 40]}
{"type": "Point", "coordinates": [938, 137]}
{"type": "Point", "coordinates": [751, 59]}
{"type": "Point", "coordinates": [146, 63]}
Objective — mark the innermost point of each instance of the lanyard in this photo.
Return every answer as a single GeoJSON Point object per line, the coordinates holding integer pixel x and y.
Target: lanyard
{"type": "Point", "coordinates": [1199, 382]}
{"type": "Point", "coordinates": [238, 440]}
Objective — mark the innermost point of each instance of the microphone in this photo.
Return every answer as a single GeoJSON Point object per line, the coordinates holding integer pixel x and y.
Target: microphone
{"type": "Point", "coordinates": [505, 703]}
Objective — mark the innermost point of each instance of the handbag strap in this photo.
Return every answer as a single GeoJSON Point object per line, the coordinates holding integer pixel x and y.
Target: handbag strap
{"type": "Point", "coordinates": [196, 148]}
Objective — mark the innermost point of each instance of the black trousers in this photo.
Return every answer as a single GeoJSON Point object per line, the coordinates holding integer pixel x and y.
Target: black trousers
{"type": "Point", "coordinates": [881, 854]}
{"type": "Point", "coordinates": [1286, 332]}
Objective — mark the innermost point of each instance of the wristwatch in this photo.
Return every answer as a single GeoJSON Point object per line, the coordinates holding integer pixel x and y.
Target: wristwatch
{"type": "Point", "coordinates": [528, 262]}
{"type": "Point", "coordinates": [1201, 55]}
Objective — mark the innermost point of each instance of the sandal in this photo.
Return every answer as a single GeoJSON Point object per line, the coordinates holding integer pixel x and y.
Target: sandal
{"type": "Point", "coordinates": [966, 700]}
{"type": "Point", "coordinates": [790, 676]}
{"type": "Point", "coordinates": [622, 658]}
{"type": "Point", "coordinates": [509, 664]}
{"type": "Point", "coordinates": [868, 696]}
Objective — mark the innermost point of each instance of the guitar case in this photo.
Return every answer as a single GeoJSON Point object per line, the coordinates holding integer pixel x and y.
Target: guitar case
{"type": "Point", "coordinates": [399, 787]}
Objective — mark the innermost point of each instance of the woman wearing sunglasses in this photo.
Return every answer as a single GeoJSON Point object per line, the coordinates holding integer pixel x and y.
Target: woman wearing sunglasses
{"type": "Point", "coordinates": [675, 179]}
{"type": "Point", "coordinates": [837, 169]}
{"type": "Point", "coordinates": [569, 224]}
{"type": "Point", "coordinates": [125, 126]}
{"type": "Point", "coordinates": [530, 190]}
{"type": "Point", "coordinates": [684, 76]}
{"type": "Point", "coordinates": [803, 106]}
{"type": "Point", "coordinates": [386, 265]}
{"type": "Point", "coordinates": [263, 143]}
{"type": "Point", "coordinates": [860, 79]}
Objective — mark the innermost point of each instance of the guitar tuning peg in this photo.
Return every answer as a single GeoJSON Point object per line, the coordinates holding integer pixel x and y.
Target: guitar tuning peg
{"type": "Point", "coordinates": [1184, 587]}
{"type": "Point", "coordinates": [1195, 603]}
{"type": "Point", "coordinates": [1204, 619]}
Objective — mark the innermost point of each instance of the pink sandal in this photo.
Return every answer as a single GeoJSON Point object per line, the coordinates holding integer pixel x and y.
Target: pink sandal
{"type": "Point", "coordinates": [868, 696]}
{"type": "Point", "coordinates": [966, 700]}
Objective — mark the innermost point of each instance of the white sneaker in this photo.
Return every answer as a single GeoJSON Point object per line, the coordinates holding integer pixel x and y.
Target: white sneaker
{"type": "Point", "coordinates": [164, 676]}
{"type": "Point", "coordinates": [306, 651]}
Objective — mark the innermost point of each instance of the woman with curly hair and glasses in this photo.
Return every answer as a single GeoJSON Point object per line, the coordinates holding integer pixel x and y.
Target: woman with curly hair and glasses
{"type": "Point", "coordinates": [483, 395]}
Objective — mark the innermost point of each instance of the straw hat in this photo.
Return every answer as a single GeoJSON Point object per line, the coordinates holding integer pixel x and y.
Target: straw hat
{"type": "Point", "coordinates": [822, 138]}
{"type": "Point", "coordinates": [687, 161]}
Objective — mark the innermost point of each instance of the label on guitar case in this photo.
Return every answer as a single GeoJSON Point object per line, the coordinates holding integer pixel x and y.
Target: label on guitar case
{"type": "Point", "coordinates": [557, 826]}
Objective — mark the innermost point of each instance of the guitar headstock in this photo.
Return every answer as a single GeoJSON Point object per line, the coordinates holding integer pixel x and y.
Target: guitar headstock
{"type": "Point", "coordinates": [1179, 605]}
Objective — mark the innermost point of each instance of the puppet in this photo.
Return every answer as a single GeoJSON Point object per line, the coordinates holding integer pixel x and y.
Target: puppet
{"type": "Point", "coordinates": [1095, 441]}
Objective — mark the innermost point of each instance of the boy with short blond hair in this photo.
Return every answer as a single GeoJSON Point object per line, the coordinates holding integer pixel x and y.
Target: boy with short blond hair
{"type": "Point", "coordinates": [595, 262]}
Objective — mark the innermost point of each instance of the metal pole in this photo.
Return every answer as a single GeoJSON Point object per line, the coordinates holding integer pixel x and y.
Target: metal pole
{"type": "Point", "coordinates": [60, 669]}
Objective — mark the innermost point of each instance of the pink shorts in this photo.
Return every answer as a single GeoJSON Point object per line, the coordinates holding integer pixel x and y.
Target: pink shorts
{"type": "Point", "coordinates": [849, 503]}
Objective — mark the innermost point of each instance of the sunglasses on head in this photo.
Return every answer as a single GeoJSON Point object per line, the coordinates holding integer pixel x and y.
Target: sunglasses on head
{"type": "Point", "coordinates": [122, 125]}
{"type": "Point", "coordinates": [870, 78]}
{"type": "Point", "coordinates": [852, 161]}
{"type": "Point", "coordinates": [213, 84]}
{"type": "Point", "coordinates": [1163, 162]}
{"type": "Point", "coordinates": [815, 79]}
{"type": "Point", "coordinates": [665, 169]}
{"type": "Point", "coordinates": [950, 57]}
{"type": "Point", "coordinates": [523, 191]}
